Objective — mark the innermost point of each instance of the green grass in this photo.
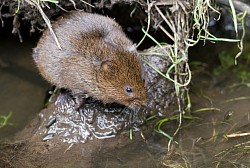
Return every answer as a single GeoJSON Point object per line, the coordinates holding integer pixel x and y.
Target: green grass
{"type": "Point", "coordinates": [4, 120]}
{"type": "Point", "coordinates": [227, 62]}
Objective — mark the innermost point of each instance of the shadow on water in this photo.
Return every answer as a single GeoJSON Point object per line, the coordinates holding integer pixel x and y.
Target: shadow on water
{"type": "Point", "coordinates": [22, 89]}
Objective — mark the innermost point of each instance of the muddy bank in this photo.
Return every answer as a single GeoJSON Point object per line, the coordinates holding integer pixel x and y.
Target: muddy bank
{"type": "Point", "coordinates": [32, 152]}
{"type": "Point", "coordinates": [201, 141]}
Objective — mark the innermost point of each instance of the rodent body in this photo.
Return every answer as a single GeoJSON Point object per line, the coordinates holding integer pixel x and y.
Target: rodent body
{"type": "Point", "coordinates": [96, 58]}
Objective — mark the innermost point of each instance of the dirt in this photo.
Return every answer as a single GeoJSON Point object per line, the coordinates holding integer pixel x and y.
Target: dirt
{"type": "Point", "coordinates": [27, 12]}
{"type": "Point", "coordinates": [34, 153]}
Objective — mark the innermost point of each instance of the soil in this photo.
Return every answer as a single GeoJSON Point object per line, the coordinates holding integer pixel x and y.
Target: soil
{"type": "Point", "coordinates": [27, 13]}
{"type": "Point", "coordinates": [32, 152]}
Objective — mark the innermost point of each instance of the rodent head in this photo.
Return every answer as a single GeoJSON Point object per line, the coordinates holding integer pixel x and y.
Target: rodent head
{"type": "Point", "coordinates": [110, 65]}
{"type": "Point", "coordinates": [122, 80]}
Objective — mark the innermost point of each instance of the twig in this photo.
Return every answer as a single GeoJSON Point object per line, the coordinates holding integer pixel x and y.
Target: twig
{"type": "Point", "coordinates": [87, 3]}
{"type": "Point", "coordinates": [70, 146]}
{"type": "Point", "coordinates": [45, 18]}
{"type": "Point", "coordinates": [233, 135]}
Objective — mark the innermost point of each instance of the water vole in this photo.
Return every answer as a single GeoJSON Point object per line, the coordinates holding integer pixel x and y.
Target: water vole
{"type": "Point", "coordinates": [96, 58]}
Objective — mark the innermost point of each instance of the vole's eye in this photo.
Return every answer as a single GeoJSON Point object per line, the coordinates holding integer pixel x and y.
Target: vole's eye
{"type": "Point", "coordinates": [129, 91]}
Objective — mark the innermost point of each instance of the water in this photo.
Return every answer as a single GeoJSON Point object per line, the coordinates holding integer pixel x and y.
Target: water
{"type": "Point", "coordinates": [22, 88]}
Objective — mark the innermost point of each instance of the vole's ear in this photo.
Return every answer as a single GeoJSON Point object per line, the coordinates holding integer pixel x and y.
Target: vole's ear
{"type": "Point", "coordinates": [105, 66]}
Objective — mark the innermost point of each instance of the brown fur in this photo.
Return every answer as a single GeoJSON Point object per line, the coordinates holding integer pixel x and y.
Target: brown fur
{"type": "Point", "coordinates": [96, 58]}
